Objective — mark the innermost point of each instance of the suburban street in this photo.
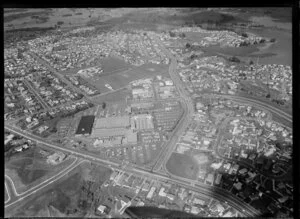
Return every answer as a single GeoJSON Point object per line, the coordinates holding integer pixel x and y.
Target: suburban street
{"type": "Point", "coordinates": [50, 68]}
{"type": "Point", "coordinates": [219, 141]}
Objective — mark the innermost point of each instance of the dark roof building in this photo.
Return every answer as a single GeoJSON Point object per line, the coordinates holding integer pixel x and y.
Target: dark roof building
{"type": "Point", "coordinates": [85, 125]}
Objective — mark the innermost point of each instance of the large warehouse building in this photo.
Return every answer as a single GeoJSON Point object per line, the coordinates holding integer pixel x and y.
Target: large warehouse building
{"type": "Point", "coordinates": [113, 122]}
{"type": "Point", "coordinates": [128, 134]}
{"type": "Point", "coordinates": [114, 127]}
{"type": "Point", "coordinates": [85, 125]}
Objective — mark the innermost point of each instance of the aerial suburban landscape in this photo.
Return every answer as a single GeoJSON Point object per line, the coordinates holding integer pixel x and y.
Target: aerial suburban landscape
{"type": "Point", "coordinates": [186, 109]}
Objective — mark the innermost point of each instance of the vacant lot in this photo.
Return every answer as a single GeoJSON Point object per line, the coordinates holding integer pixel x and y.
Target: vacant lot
{"type": "Point", "coordinates": [182, 165]}
{"type": "Point", "coordinates": [31, 169]}
{"type": "Point", "coordinates": [62, 198]}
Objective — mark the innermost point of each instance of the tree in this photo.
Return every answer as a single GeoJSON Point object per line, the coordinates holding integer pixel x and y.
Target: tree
{"type": "Point", "coordinates": [262, 41]}
{"type": "Point", "coordinates": [251, 62]}
{"type": "Point", "coordinates": [234, 59]}
{"type": "Point", "coordinates": [172, 34]}
{"type": "Point", "coordinates": [103, 105]}
{"type": "Point", "coordinates": [182, 35]}
{"type": "Point", "coordinates": [193, 56]}
{"type": "Point", "coordinates": [244, 35]}
{"type": "Point", "coordinates": [272, 40]}
{"type": "Point", "coordinates": [188, 45]}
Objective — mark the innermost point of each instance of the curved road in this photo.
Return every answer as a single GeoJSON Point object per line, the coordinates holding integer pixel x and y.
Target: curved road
{"type": "Point", "coordinates": [187, 104]}
{"type": "Point", "coordinates": [254, 102]}
{"type": "Point", "coordinates": [19, 197]}
{"type": "Point", "coordinates": [7, 192]}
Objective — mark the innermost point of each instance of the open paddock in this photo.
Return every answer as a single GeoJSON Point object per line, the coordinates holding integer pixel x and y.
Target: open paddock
{"type": "Point", "coordinates": [28, 172]}
{"type": "Point", "coordinates": [117, 96]}
{"type": "Point", "coordinates": [121, 79]}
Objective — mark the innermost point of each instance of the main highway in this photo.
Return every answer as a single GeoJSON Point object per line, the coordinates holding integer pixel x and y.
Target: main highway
{"type": "Point", "coordinates": [187, 105]}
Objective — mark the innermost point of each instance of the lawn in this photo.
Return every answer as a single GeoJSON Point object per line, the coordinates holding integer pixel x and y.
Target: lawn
{"type": "Point", "coordinates": [183, 165]}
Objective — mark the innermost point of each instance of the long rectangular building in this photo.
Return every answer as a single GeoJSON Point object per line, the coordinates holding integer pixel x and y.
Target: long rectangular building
{"type": "Point", "coordinates": [113, 122]}
{"type": "Point", "coordinates": [101, 133]}
{"type": "Point", "coordinates": [130, 136]}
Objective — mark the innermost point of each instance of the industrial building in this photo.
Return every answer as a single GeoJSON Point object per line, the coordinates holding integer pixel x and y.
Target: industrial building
{"type": "Point", "coordinates": [102, 133]}
{"type": "Point", "coordinates": [129, 137]}
{"type": "Point", "coordinates": [85, 125]}
{"type": "Point", "coordinates": [56, 158]}
{"type": "Point", "coordinates": [112, 122]}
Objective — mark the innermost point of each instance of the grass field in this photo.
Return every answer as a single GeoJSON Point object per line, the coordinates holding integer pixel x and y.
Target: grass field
{"type": "Point", "coordinates": [118, 96]}
{"type": "Point", "coordinates": [118, 79]}
{"type": "Point", "coordinates": [62, 195]}
{"type": "Point", "coordinates": [31, 169]}
{"type": "Point", "coordinates": [230, 51]}
{"type": "Point", "coordinates": [28, 168]}
{"type": "Point", "coordinates": [113, 64]}
{"type": "Point", "coordinates": [183, 165]}
{"type": "Point", "coordinates": [282, 48]}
